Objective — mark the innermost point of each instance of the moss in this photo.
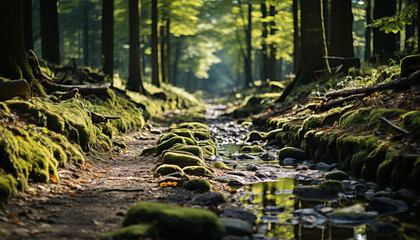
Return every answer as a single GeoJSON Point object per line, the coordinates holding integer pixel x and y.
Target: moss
{"type": "Point", "coordinates": [252, 149]}
{"type": "Point", "coordinates": [148, 151]}
{"type": "Point", "coordinates": [172, 141]}
{"type": "Point", "coordinates": [291, 152]}
{"type": "Point", "coordinates": [200, 185]}
{"type": "Point", "coordinates": [8, 187]}
{"type": "Point", "coordinates": [272, 134]}
{"type": "Point", "coordinates": [181, 160]}
{"type": "Point", "coordinates": [312, 122]}
{"type": "Point", "coordinates": [220, 165]}
{"type": "Point", "coordinates": [327, 190]}
{"type": "Point", "coordinates": [333, 185]}
{"type": "Point", "coordinates": [415, 175]}
{"type": "Point", "coordinates": [173, 222]}
{"type": "Point", "coordinates": [196, 150]}
{"type": "Point", "coordinates": [167, 169]}
{"type": "Point", "coordinates": [411, 121]}
{"type": "Point", "coordinates": [132, 232]}
{"type": "Point", "coordinates": [194, 126]}
{"type": "Point", "coordinates": [256, 136]}
{"type": "Point", "coordinates": [373, 160]}
{"type": "Point", "coordinates": [337, 175]}
{"type": "Point", "coordinates": [201, 135]}
{"type": "Point", "coordinates": [383, 174]}
{"type": "Point", "coordinates": [196, 170]}
{"type": "Point", "coordinates": [176, 133]}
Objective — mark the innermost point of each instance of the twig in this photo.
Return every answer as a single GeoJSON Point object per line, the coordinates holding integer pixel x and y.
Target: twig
{"type": "Point", "coordinates": [123, 190]}
{"type": "Point", "coordinates": [393, 125]}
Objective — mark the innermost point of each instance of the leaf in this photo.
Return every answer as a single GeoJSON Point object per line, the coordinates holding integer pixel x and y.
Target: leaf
{"type": "Point", "coordinates": [44, 130]}
{"type": "Point", "coordinates": [53, 179]}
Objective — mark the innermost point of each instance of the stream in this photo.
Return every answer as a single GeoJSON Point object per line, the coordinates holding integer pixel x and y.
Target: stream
{"type": "Point", "coordinates": [265, 189]}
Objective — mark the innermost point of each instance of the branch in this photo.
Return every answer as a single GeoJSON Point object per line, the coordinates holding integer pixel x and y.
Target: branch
{"type": "Point", "coordinates": [394, 126]}
{"type": "Point", "coordinates": [13, 88]}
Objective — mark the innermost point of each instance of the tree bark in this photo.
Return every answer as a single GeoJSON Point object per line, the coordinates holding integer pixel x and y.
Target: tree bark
{"type": "Point", "coordinates": [312, 46]}
{"type": "Point", "coordinates": [155, 49]}
{"type": "Point", "coordinates": [86, 33]}
{"type": "Point", "coordinates": [176, 60]}
{"type": "Point", "coordinates": [135, 75]}
{"type": "Point", "coordinates": [108, 37]}
{"type": "Point", "coordinates": [272, 64]}
{"type": "Point", "coordinates": [368, 31]}
{"type": "Point", "coordinates": [49, 31]}
{"type": "Point", "coordinates": [341, 40]}
{"type": "Point", "coordinates": [248, 58]}
{"type": "Point", "coordinates": [418, 26]}
{"type": "Point", "coordinates": [296, 39]}
{"type": "Point", "coordinates": [168, 49]}
{"type": "Point", "coordinates": [384, 45]}
{"type": "Point", "coordinates": [264, 51]}
{"type": "Point", "coordinates": [27, 24]}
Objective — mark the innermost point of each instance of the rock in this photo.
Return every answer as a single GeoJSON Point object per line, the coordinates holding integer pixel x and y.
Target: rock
{"type": "Point", "coordinates": [273, 210]}
{"type": "Point", "coordinates": [220, 165]}
{"type": "Point", "coordinates": [407, 195]}
{"type": "Point", "coordinates": [167, 169]}
{"type": "Point", "coordinates": [170, 221]}
{"type": "Point", "coordinates": [181, 160]}
{"type": "Point", "coordinates": [240, 214]}
{"type": "Point", "coordinates": [236, 227]}
{"type": "Point", "coordinates": [252, 167]}
{"type": "Point", "coordinates": [302, 168]}
{"type": "Point", "coordinates": [291, 152]}
{"type": "Point", "coordinates": [196, 171]}
{"type": "Point", "coordinates": [261, 174]}
{"type": "Point", "coordinates": [360, 188]}
{"type": "Point", "coordinates": [252, 149]}
{"type": "Point", "coordinates": [267, 157]}
{"type": "Point", "coordinates": [325, 191]}
{"type": "Point", "coordinates": [256, 136]}
{"type": "Point", "coordinates": [337, 175]}
{"type": "Point", "coordinates": [382, 194]}
{"type": "Point", "coordinates": [387, 206]}
{"type": "Point", "coordinates": [210, 199]}
{"type": "Point", "coordinates": [353, 215]}
{"type": "Point", "coordinates": [236, 182]}
{"type": "Point", "coordinates": [369, 194]}
{"type": "Point", "coordinates": [308, 217]}
{"type": "Point", "coordinates": [136, 231]}
{"type": "Point", "coordinates": [289, 161]}
{"type": "Point", "coordinates": [322, 209]}
{"type": "Point", "coordinates": [200, 185]}
{"type": "Point", "coordinates": [409, 65]}
{"type": "Point", "coordinates": [383, 229]}
{"type": "Point", "coordinates": [269, 219]}
{"type": "Point", "coordinates": [371, 185]}
{"type": "Point", "coordinates": [321, 166]}
{"type": "Point", "coordinates": [304, 178]}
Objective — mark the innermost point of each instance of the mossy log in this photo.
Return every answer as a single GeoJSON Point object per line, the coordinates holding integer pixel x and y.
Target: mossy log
{"type": "Point", "coordinates": [400, 84]}
{"type": "Point", "coordinates": [10, 89]}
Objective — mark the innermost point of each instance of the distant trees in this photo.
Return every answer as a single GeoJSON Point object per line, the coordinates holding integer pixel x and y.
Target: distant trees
{"type": "Point", "coordinates": [27, 24]}
{"type": "Point", "coordinates": [155, 44]}
{"type": "Point", "coordinates": [49, 31]}
{"type": "Point", "coordinates": [341, 40]}
{"type": "Point", "coordinates": [384, 44]}
{"type": "Point", "coordinates": [108, 37]}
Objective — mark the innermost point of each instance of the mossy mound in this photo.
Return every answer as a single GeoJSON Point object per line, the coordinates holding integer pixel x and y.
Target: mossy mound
{"type": "Point", "coordinates": [132, 232]}
{"type": "Point", "coordinates": [327, 190]}
{"type": "Point", "coordinates": [167, 169]}
{"type": "Point", "coordinates": [201, 135]}
{"type": "Point", "coordinates": [173, 222]}
{"type": "Point", "coordinates": [181, 159]}
{"type": "Point", "coordinates": [353, 215]}
{"type": "Point", "coordinates": [196, 150]}
{"type": "Point", "coordinates": [176, 133]}
{"type": "Point", "coordinates": [256, 136]}
{"type": "Point", "coordinates": [220, 165]}
{"type": "Point", "coordinates": [200, 185]}
{"type": "Point", "coordinates": [196, 171]}
{"type": "Point", "coordinates": [194, 126]}
{"type": "Point", "coordinates": [165, 145]}
{"type": "Point", "coordinates": [252, 149]}
{"type": "Point", "coordinates": [337, 175]}
{"type": "Point", "coordinates": [291, 152]}
{"type": "Point", "coordinates": [411, 121]}
{"type": "Point", "coordinates": [8, 187]}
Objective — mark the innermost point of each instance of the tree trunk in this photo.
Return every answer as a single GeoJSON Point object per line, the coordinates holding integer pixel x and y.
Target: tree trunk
{"type": "Point", "coordinates": [341, 40]}
{"type": "Point", "coordinates": [296, 39]}
{"type": "Point", "coordinates": [108, 37]}
{"type": "Point", "coordinates": [155, 51]}
{"type": "Point", "coordinates": [49, 31]}
{"type": "Point", "coordinates": [368, 31]}
{"type": "Point", "coordinates": [418, 26]}
{"type": "Point", "coordinates": [272, 64]}
{"type": "Point", "coordinates": [86, 33]}
{"type": "Point", "coordinates": [248, 60]}
{"type": "Point", "coordinates": [176, 60]}
{"type": "Point", "coordinates": [27, 25]}
{"type": "Point", "coordinates": [264, 51]}
{"type": "Point", "coordinates": [13, 60]}
{"type": "Point", "coordinates": [312, 45]}
{"type": "Point", "coordinates": [162, 53]}
{"type": "Point", "coordinates": [384, 45]}
{"type": "Point", "coordinates": [168, 49]}
{"type": "Point", "coordinates": [135, 76]}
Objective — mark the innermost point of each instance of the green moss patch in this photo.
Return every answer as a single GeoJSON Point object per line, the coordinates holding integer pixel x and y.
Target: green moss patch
{"type": "Point", "coordinates": [196, 170]}
{"type": "Point", "coordinates": [291, 152]}
{"type": "Point", "coordinates": [195, 150]}
{"type": "Point", "coordinates": [220, 165]}
{"type": "Point", "coordinates": [200, 185]}
{"type": "Point", "coordinates": [337, 175]}
{"type": "Point", "coordinates": [182, 160]}
{"type": "Point", "coordinates": [256, 136]}
{"type": "Point", "coordinates": [167, 169]}
{"type": "Point", "coordinates": [173, 222]}
{"type": "Point", "coordinates": [165, 145]}
{"type": "Point", "coordinates": [132, 232]}
{"type": "Point", "coordinates": [252, 149]}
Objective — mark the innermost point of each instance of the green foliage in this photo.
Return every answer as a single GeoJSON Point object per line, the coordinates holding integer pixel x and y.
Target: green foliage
{"type": "Point", "coordinates": [396, 22]}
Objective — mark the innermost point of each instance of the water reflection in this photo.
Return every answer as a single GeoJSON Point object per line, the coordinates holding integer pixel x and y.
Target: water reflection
{"type": "Point", "coordinates": [273, 203]}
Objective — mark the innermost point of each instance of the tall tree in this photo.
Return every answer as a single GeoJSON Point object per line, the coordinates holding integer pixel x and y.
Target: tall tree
{"type": "Point", "coordinates": [264, 51]}
{"type": "Point", "coordinates": [86, 33]}
{"type": "Point", "coordinates": [341, 40]}
{"type": "Point", "coordinates": [155, 48]}
{"type": "Point", "coordinates": [296, 41]}
{"type": "Point", "coordinates": [272, 64]}
{"type": "Point", "coordinates": [384, 45]}
{"type": "Point", "coordinates": [311, 45]}
{"type": "Point", "coordinates": [27, 24]}
{"type": "Point", "coordinates": [13, 60]}
{"type": "Point", "coordinates": [49, 31]}
{"type": "Point", "coordinates": [248, 55]}
{"type": "Point", "coordinates": [368, 31]}
{"type": "Point", "coordinates": [135, 75]}
{"type": "Point", "coordinates": [108, 37]}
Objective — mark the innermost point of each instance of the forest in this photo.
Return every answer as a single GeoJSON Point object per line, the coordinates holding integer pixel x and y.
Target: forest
{"type": "Point", "coordinates": [210, 119]}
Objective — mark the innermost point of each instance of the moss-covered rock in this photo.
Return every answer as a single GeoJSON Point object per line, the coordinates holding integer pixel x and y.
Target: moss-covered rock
{"type": "Point", "coordinates": [167, 169]}
{"type": "Point", "coordinates": [353, 215]}
{"type": "Point", "coordinates": [337, 175]}
{"type": "Point", "coordinates": [327, 190]}
{"type": "Point", "coordinates": [196, 170]}
{"type": "Point", "coordinates": [173, 222]}
{"type": "Point", "coordinates": [271, 135]}
{"type": "Point", "coordinates": [200, 185]}
{"type": "Point", "coordinates": [291, 152]}
{"type": "Point", "coordinates": [411, 121]}
{"type": "Point", "coordinates": [256, 136]}
{"type": "Point", "coordinates": [8, 187]}
{"type": "Point", "coordinates": [177, 133]}
{"type": "Point", "coordinates": [172, 141]}
{"type": "Point", "coordinates": [220, 165]}
{"type": "Point", "coordinates": [182, 160]}
{"type": "Point", "coordinates": [252, 149]}
{"type": "Point", "coordinates": [196, 150]}
{"type": "Point", "coordinates": [132, 232]}
{"type": "Point", "coordinates": [201, 135]}
{"type": "Point", "coordinates": [194, 126]}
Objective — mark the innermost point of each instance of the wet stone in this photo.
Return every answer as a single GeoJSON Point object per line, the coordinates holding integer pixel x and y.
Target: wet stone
{"type": "Point", "coordinates": [289, 161]}
{"type": "Point", "coordinates": [308, 217]}
{"type": "Point", "coordinates": [267, 157]}
{"type": "Point", "coordinates": [387, 206]}
{"type": "Point", "coordinates": [252, 167]}
{"type": "Point", "coordinates": [353, 215]}
{"type": "Point", "coordinates": [273, 210]}
{"type": "Point", "coordinates": [269, 219]}
{"type": "Point", "coordinates": [210, 199]}
{"type": "Point", "coordinates": [407, 195]}
{"type": "Point", "coordinates": [383, 229]}
{"type": "Point", "coordinates": [324, 167]}
{"type": "Point", "coordinates": [371, 185]}
{"type": "Point", "coordinates": [240, 214]}
{"type": "Point", "coordinates": [236, 227]}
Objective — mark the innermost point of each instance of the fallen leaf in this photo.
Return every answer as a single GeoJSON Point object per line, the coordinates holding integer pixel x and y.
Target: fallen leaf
{"type": "Point", "coordinates": [53, 179]}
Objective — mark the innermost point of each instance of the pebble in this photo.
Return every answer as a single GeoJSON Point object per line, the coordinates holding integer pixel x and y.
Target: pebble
{"type": "Point", "coordinates": [324, 167]}
{"type": "Point", "coordinates": [210, 199]}
{"type": "Point", "coordinates": [240, 214]}
{"type": "Point", "coordinates": [236, 227]}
